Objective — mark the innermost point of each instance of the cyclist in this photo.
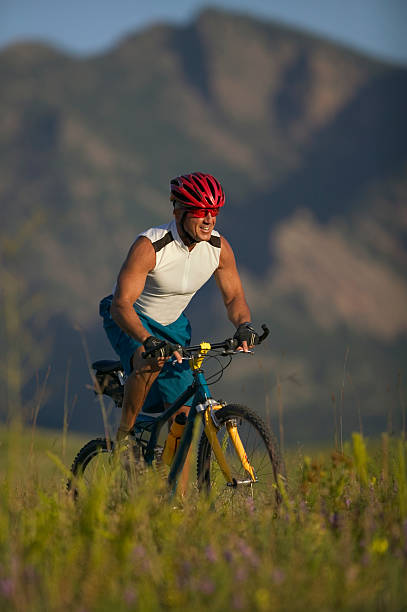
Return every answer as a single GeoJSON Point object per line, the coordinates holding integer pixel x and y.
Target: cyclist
{"type": "Point", "coordinates": [164, 268]}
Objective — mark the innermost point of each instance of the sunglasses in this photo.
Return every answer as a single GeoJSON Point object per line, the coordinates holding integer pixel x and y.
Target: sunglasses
{"type": "Point", "coordinates": [202, 212]}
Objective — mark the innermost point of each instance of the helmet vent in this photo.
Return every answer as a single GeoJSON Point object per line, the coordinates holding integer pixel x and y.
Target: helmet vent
{"type": "Point", "coordinates": [197, 189]}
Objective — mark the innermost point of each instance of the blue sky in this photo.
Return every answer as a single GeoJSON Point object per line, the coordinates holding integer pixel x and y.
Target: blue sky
{"type": "Point", "coordinates": [377, 27]}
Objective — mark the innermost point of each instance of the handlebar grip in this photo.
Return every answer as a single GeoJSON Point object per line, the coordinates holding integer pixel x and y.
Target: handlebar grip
{"type": "Point", "coordinates": [174, 347]}
{"type": "Point", "coordinates": [151, 351]}
{"type": "Point", "coordinates": [265, 333]}
{"type": "Point", "coordinates": [231, 345]}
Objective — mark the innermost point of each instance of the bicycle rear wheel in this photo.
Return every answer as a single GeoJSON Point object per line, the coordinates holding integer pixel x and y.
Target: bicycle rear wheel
{"type": "Point", "coordinates": [261, 450]}
{"type": "Point", "coordinates": [95, 463]}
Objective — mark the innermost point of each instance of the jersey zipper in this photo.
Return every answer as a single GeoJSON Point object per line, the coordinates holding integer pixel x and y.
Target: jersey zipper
{"type": "Point", "coordinates": [186, 272]}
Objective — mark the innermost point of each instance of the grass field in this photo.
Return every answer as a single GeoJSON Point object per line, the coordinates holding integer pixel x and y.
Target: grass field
{"type": "Point", "coordinates": [337, 542]}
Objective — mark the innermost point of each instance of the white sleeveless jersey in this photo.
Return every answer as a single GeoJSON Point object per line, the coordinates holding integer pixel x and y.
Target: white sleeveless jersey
{"type": "Point", "coordinates": [178, 273]}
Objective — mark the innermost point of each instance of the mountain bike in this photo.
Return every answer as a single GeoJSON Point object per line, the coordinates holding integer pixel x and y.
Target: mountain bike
{"type": "Point", "coordinates": [237, 452]}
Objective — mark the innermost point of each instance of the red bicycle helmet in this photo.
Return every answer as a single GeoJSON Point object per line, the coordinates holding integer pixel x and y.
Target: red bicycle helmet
{"type": "Point", "coordinates": [198, 190]}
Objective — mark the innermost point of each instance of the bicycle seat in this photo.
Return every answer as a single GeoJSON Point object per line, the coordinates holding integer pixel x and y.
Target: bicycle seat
{"type": "Point", "coordinates": [107, 366]}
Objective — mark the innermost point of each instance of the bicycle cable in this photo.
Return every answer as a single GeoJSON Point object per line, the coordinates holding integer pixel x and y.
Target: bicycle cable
{"type": "Point", "coordinates": [210, 378]}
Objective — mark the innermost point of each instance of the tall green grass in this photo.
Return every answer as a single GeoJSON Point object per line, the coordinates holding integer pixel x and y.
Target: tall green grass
{"type": "Point", "coordinates": [338, 541]}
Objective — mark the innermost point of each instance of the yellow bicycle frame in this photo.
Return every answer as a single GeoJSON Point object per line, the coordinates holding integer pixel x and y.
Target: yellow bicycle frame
{"type": "Point", "coordinates": [211, 431]}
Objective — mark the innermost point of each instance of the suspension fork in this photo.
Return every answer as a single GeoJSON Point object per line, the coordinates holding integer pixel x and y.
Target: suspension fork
{"type": "Point", "coordinates": [211, 433]}
{"type": "Point", "coordinates": [239, 448]}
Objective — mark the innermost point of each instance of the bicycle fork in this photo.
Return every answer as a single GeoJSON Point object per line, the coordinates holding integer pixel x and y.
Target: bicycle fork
{"type": "Point", "coordinates": [211, 433]}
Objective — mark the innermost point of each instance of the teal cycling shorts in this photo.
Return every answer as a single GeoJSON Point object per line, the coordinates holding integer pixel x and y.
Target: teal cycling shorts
{"type": "Point", "coordinates": [173, 379]}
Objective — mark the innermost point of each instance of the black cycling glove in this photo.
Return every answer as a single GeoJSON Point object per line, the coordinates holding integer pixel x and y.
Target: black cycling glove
{"type": "Point", "coordinates": [158, 348]}
{"type": "Point", "coordinates": [246, 332]}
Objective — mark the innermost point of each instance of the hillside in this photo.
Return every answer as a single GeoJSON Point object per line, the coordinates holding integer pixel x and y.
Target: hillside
{"type": "Point", "coordinates": [309, 140]}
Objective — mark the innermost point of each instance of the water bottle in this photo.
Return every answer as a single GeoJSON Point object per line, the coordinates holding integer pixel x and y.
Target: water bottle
{"type": "Point", "coordinates": [174, 436]}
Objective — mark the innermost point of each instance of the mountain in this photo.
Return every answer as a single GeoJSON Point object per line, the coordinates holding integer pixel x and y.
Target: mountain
{"type": "Point", "coordinates": [309, 141]}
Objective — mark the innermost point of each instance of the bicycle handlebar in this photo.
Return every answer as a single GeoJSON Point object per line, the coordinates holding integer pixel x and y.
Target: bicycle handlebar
{"type": "Point", "coordinates": [229, 345]}
{"type": "Point", "coordinates": [265, 333]}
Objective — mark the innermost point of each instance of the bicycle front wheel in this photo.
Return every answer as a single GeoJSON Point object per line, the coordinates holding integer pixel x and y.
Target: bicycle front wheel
{"type": "Point", "coordinates": [258, 478]}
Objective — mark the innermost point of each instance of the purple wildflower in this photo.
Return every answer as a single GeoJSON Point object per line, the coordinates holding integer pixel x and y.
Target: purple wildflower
{"type": "Point", "coordinates": [241, 574]}
{"type": "Point", "coordinates": [7, 587]}
{"type": "Point", "coordinates": [278, 576]}
{"type": "Point", "coordinates": [184, 576]}
{"type": "Point", "coordinates": [211, 554]}
{"type": "Point", "coordinates": [29, 573]}
{"type": "Point", "coordinates": [187, 567]}
{"type": "Point", "coordinates": [248, 553]}
{"type": "Point", "coordinates": [139, 552]}
{"type": "Point", "coordinates": [129, 596]}
{"type": "Point", "coordinates": [140, 556]}
{"type": "Point", "coordinates": [334, 520]}
{"type": "Point", "coordinates": [206, 586]}
{"type": "Point", "coordinates": [228, 556]}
